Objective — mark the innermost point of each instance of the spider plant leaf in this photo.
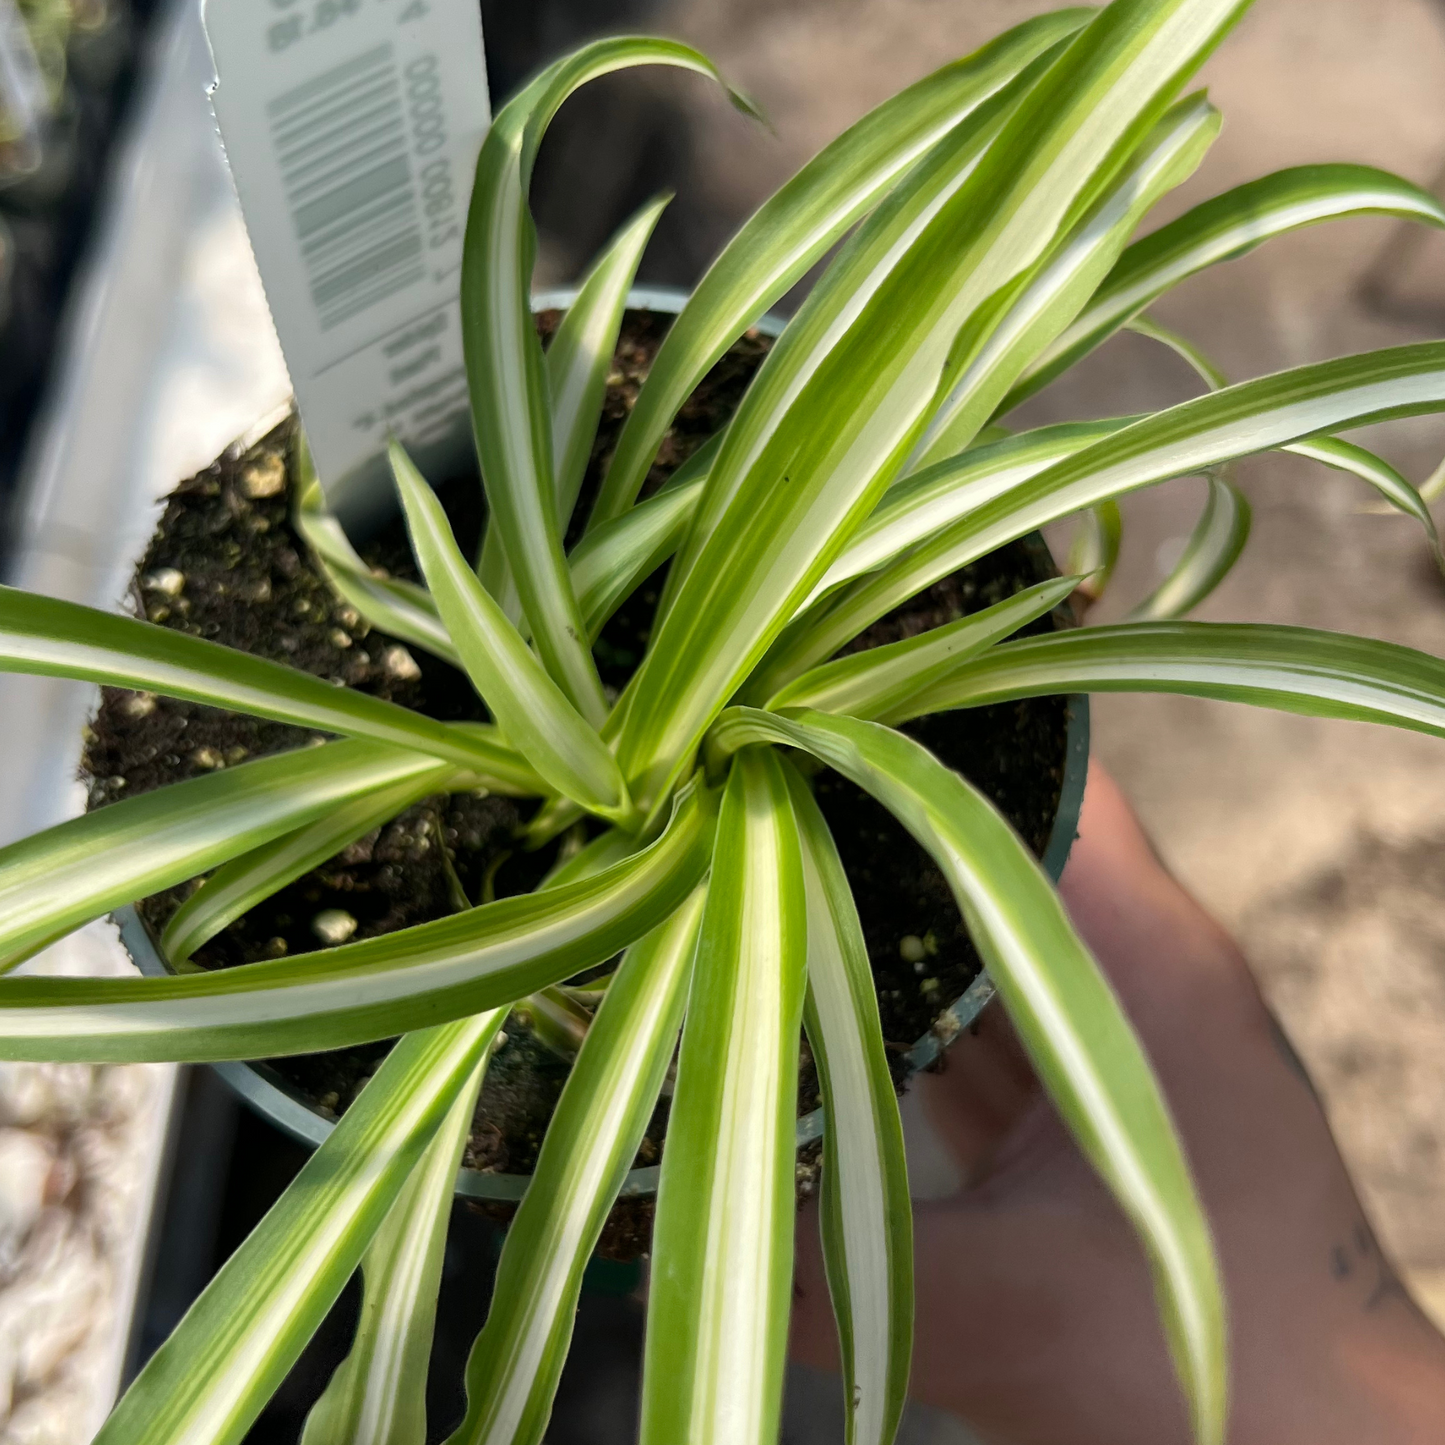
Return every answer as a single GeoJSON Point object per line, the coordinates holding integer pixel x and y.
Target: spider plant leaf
{"type": "Point", "coordinates": [64, 639]}
{"type": "Point", "coordinates": [212, 1377]}
{"type": "Point", "coordinates": [580, 356]}
{"type": "Point", "coordinates": [791, 488]}
{"type": "Point", "coordinates": [578, 362]}
{"type": "Point", "coordinates": [612, 559]}
{"type": "Point", "coordinates": [1221, 229]}
{"type": "Point", "coordinates": [793, 229]}
{"type": "Point", "coordinates": [591, 1142]}
{"type": "Point", "coordinates": [1094, 548]}
{"type": "Point", "coordinates": [506, 371]}
{"type": "Point", "coordinates": [722, 1250]}
{"type": "Point", "coordinates": [377, 1396]}
{"type": "Point", "coordinates": [56, 880]}
{"type": "Point", "coordinates": [1081, 1044]}
{"type": "Point", "coordinates": [373, 989]}
{"type": "Point", "coordinates": [1068, 278]}
{"type": "Point", "coordinates": [841, 296]}
{"type": "Point", "coordinates": [1345, 456]}
{"type": "Point", "coordinates": [1219, 537]}
{"type": "Point", "coordinates": [1332, 451]}
{"type": "Point", "coordinates": [1182, 347]}
{"type": "Point", "coordinates": [1240, 420]}
{"type": "Point", "coordinates": [398, 608]}
{"type": "Point", "coordinates": [244, 881]}
{"type": "Point", "coordinates": [1294, 669]}
{"type": "Point", "coordinates": [1213, 548]}
{"type": "Point", "coordinates": [921, 504]}
{"type": "Point", "coordinates": [874, 683]}
{"type": "Point", "coordinates": [534, 712]}
{"type": "Point", "coordinates": [866, 1214]}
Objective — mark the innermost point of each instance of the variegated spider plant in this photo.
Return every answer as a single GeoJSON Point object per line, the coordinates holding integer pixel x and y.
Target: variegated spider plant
{"type": "Point", "coordinates": [991, 209]}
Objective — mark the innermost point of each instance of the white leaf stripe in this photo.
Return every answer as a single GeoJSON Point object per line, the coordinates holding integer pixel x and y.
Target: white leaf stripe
{"type": "Point", "coordinates": [532, 709]}
{"type": "Point", "coordinates": [64, 639]}
{"type": "Point", "coordinates": [723, 1238]}
{"type": "Point", "coordinates": [396, 610]}
{"type": "Point", "coordinates": [368, 990]}
{"type": "Point", "coordinates": [58, 879]}
{"type": "Point", "coordinates": [1221, 229]}
{"type": "Point", "coordinates": [511, 409]}
{"type": "Point", "coordinates": [798, 224]}
{"type": "Point", "coordinates": [377, 1395]}
{"type": "Point", "coordinates": [1213, 548]}
{"type": "Point", "coordinates": [835, 305]}
{"type": "Point", "coordinates": [860, 413]}
{"type": "Point", "coordinates": [400, 608]}
{"type": "Point", "coordinates": [594, 1135]}
{"type": "Point", "coordinates": [244, 881]}
{"type": "Point", "coordinates": [874, 683]}
{"type": "Point", "coordinates": [580, 356]}
{"type": "Point", "coordinates": [1240, 420]}
{"type": "Point", "coordinates": [613, 558]}
{"type": "Point", "coordinates": [1068, 276]}
{"type": "Point", "coordinates": [1076, 1034]}
{"type": "Point", "coordinates": [920, 505]}
{"type": "Point", "coordinates": [866, 1213]}
{"type": "Point", "coordinates": [1296, 669]}
{"type": "Point", "coordinates": [253, 1319]}
{"type": "Point", "coordinates": [1345, 456]}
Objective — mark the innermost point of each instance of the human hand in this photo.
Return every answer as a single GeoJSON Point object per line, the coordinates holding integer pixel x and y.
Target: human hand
{"type": "Point", "coordinates": [1035, 1318]}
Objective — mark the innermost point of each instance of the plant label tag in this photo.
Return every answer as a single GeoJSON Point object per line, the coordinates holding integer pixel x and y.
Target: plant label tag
{"type": "Point", "coordinates": [352, 129]}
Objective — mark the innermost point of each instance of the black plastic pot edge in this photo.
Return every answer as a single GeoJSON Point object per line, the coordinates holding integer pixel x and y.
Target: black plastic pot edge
{"type": "Point", "coordinates": [273, 1098]}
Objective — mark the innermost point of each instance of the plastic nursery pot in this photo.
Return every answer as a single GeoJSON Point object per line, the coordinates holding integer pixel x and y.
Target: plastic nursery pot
{"type": "Point", "coordinates": [283, 1104]}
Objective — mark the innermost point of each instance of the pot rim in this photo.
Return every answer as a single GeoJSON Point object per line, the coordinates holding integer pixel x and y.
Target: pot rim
{"type": "Point", "coordinates": [279, 1103]}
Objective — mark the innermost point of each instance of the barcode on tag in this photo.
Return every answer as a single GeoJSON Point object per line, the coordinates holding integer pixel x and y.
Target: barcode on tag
{"type": "Point", "coordinates": [352, 129]}
{"type": "Point", "coordinates": [341, 143]}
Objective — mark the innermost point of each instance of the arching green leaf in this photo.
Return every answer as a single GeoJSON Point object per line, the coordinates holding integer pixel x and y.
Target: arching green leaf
{"type": "Point", "coordinates": [797, 226]}
{"type": "Point", "coordinates": [372, 989]}
{"type": "Point", "coordinates": [722, 1248]}
{"type": "Point", "coordinates": [532, 709]}
{"type": "Point", "coordinates": [1068, 1018]}
{"type": "Point", "coordinates": [866, 1214]}
{"type": "Point", "coordinates": [600, 1119]}
{"type": "Point", "coordinates": [1222, 229]}
{"type": "Point", "coordinates": [212, 1377]}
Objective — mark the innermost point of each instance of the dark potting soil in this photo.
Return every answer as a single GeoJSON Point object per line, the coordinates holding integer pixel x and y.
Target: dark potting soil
{"type": "Point", "coordinates": [225, 564]}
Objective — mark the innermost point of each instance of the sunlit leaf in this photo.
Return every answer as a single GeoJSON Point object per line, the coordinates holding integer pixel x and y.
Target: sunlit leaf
{"type": "Point", "coordinates": [63, 639]}
{"type": "Point", "coordinates": [1296, 669]}
{"type": "Point", "coordinates": [243, 882]}
{"type": "Point", "coordinates": [599, 1122]}
{"type": "Point", "coordinates": [794, 228]}
{"type": "Point", "coordinates": [532, 709]}
{"type": "Point", "coordinates": [866, 1214]}
{"type": "Point", "coordinates": [506, 371]}
{"type": "Point", "coordinates": [58, 879]}
{"type": "Point", "coordinates": [1075, 1031]}
{"type": "Point", "coordinates": [1194, 436]}
{"type": "Point", "coordinates": [722, 1244]}
{"type": "Point", "coordinates": [1221, 229]}
{"type": "Point", "coordinates": [378, 1394]}
{"type": "Point", "coordinates": [372, 989]}
{"type": "Point", "coordinates": [210, 1379]}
